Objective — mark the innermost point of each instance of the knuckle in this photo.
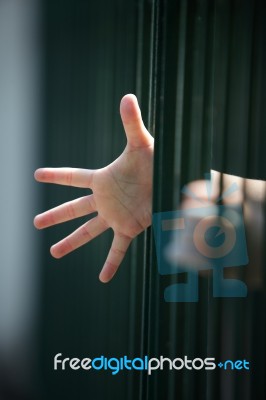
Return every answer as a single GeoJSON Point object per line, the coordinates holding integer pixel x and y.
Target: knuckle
{"type": "Point", "coordinates": [85, 232]}
{"type": "Point", "coordinates": [71, 211]}
{"type": "Point", "coordinates": [118, 251]}
{"type": "Point", "coordinates": [69, 177]}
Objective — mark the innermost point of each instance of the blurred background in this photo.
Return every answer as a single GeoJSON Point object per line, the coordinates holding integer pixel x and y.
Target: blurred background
{"type": "Point", "coordinates": [198, 70]}
{"type": "Point", "coordinates": [20, 150]}
{"type": "Point", "coordinates": [64, 67]}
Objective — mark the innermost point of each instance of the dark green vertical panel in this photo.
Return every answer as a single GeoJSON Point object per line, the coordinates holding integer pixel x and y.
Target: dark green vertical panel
{"type": "Point", "coordinates": [240, 48]}
{"type": "Point", "coordinates": [182, 153]}
{"type": "Point", "coordinates": [205, 101]}
{"type": "Point", "coordinates": [90, 64]}
{"type": "Point", "coordinates": [197, 68]}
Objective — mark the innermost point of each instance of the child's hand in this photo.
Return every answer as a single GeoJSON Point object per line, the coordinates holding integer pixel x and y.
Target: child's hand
{"type": "Point", "coordinates": [121, 194]}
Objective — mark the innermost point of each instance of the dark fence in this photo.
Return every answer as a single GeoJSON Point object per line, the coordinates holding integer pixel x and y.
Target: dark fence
{"type": "Point", "coordinates": [197, 68]}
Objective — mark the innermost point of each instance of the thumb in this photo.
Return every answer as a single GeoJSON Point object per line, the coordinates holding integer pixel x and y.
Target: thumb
{"type": "Point", "coordinates": [136, 132]}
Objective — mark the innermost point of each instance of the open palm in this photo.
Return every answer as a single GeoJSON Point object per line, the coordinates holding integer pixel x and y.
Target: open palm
{"type": "Point", "coordinates": [121, 194]}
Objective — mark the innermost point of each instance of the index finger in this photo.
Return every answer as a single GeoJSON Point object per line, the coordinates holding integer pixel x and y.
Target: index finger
{"type": "Point", "coordinates": [77, 177]}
